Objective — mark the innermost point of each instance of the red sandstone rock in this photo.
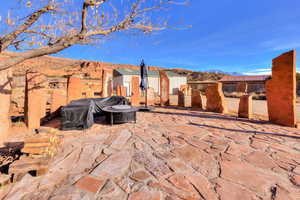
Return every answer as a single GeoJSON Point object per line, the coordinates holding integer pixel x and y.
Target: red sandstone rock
{"type": "Point", "coordinates": [57, 100]}
{"type": "Point", "coordinates": [145, 195]}
{"type": "Point", "coordinates": [281, 90]}
{"type": "Point", "coordinates": [261, 159]}
{"type": "Point", "coordinates": [135, 93]}
{"type": "Point", "coordinates": [215, 98]}
{"type": "Point", "coordinates": [203, 186]}
{"type": "Point", "coordinates": [295, 179]}
{"type": "Point", "coordinates": [196, 99]}
{"type": "Point", "coordinates": [251, 177]}
{"type": "Point", "coordinates": [140, 176]}
{"type": "Point", "coordinates": [200, 160]}
{"type": "Point", "coordinates": [35, 102]}
{"type": "Point", "coordinates": [245, 107]}
{"type": "Point", "coordinates": [231, 191]}
{"type": "Point", "coordinates": [164, 88]}
{"type": "Point", "coordinates": [75, 88]}
{"type": "Point", "coordinates": [182, 183]}
{"type": "Point", "coordinates": [90, 183]}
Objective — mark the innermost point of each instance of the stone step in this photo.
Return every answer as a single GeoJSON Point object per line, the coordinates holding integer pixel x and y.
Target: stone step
{"type": "Point", "coordinates": [4, 179]}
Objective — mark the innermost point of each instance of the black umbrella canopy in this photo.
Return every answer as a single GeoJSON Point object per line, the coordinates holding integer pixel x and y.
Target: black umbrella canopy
{"type": "Point", "coordinates": [144, 75]}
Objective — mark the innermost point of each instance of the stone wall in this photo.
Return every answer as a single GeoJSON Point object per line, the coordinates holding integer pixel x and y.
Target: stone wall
{"type": "Point", "coordinates": [245, 107]}
{"type": "Point", "coordinates": [75, 88]}
{"type": "Point", "coordinates": [35, 99]}
{"type": "Point", "coordinates": [196, 99]}
{"type": "Point", "coordinates": [5, 97]}
{"type": "Point", "coordinates": [135, 93]}
{"type": "Point", "coordinates": [58, 99]}
{"type": "Point", "coordinates": [215, 99]}
{"type": "Point", "coordinates": [281, 90]}
{"type": "Point", "coordinates": [164, 88]}
{"type": "Point", "coordinates": [150, 97]}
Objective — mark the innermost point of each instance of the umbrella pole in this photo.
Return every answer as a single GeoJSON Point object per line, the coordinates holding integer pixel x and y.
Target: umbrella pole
{"type": "Point", "coordinates": [146, 98]}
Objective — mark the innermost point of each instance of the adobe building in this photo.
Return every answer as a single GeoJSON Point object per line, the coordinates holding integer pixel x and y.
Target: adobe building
{"type": "Point", "coordinates": [124, 77]}
{"type": "Point", "coordinates": [201, 85]}
{"type": "Point", "coordinates": [246, 84]}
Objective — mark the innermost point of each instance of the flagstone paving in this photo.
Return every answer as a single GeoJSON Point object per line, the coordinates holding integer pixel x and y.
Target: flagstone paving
{"type": "Point", "coordinates": [172, 154]}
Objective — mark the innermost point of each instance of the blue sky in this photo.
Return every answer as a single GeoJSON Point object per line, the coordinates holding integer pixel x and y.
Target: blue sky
{"type": "Point", "coordinates": [228, 35]}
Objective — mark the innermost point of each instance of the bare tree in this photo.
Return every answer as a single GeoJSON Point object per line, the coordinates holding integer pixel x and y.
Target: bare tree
{"type": "Point", "coordinates": [54, 25]}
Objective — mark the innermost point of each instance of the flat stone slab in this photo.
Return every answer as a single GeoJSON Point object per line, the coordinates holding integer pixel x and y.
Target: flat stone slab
{"type": "Point", "coordinates": [172, 154]}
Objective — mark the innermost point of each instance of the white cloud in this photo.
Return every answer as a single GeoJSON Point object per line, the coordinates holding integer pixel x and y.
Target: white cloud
{"type": "Point", "coordinates": [264, 71]}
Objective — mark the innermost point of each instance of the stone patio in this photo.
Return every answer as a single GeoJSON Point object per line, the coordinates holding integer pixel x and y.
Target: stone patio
{"type": "Point", "coordinates": [171, 154]}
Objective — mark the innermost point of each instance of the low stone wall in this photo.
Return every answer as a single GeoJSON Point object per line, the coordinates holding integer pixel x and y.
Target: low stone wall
{"type": "Point", "coordinates": [245, 107]}
{"type": "Point", "coordinates": [215, 99]}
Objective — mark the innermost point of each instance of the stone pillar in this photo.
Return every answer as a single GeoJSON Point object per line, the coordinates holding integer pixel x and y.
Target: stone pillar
{"type": "Point", "coordinates": [5, 97]}
{"type": "Point", "coordinates": [245, 107]}
{"type": "Point", "coordinates": [185, 96]}
{"type": "Point", "coordinates": [164, 88]}
{"type": "Point", "coordinates": [150, 97]}
{"type": "Point", "coordinates": [215, 98]}
{"type": "Point", "coordinates": [242, 87]}
{"type": "Point", "coordinates": [281, 90]}
{"type": "Point", "coordinates": [196, 99]}
{"type": "Point", "coordinates": [173, 100]}
{"type": "Point", "coordinates": [135, 91]}
{"type": "Point", "coordinates": [107, 83]}
{"type": "Point", "coordinates": [35, 99]}
{"type": "Point", "coordinates": [58, 99]}
{"type": "Point", "coordinates": [121, 90]}
{"type": "Point", "coordinates": [74, 88]}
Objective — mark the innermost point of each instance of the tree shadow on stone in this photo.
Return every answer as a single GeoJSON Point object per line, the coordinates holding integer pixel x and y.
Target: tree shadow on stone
{"type": "Point", "coordinates": [212, 116]}
{"type": "Point", "coordinates": [244, 131]}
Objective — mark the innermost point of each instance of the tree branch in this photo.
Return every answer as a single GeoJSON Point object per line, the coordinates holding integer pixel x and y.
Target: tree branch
{"type": "Point", "coordinates": [9, 38]}
{"type": "Point", "coordinates": [85, 6]}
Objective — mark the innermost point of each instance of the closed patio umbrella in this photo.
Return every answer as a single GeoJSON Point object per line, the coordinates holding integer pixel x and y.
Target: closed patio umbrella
{"type": "Point", "coordinates": [144, 84]}
{"type": "Point", "coordinates": [144, 76]}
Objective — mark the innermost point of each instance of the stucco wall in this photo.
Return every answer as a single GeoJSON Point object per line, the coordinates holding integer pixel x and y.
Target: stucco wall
{"type": "Point", "coordinates": [176, 82]}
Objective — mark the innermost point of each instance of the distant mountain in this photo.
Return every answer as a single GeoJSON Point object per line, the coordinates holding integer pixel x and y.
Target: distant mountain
{"type": "Point", "coordinates": [236, 74]}
{"type": "Point", "coordinates": [227, 73]}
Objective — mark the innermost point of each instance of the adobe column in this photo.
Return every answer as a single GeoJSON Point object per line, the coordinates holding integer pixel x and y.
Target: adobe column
{"type": "Point", "coordinates": [35, 99]}
{"type": "Point", "coordinates": [215, 98]}
{"type": "Point", "coordinates": [164, 88]}
{"type": "Point", "coordinates": [281, 90]}
{"type": "Point", "coordinates": [5, 97]}
{"type": "Point", "coordinates": [135, 91]}
{"type": "Point", "coordinates": [107, 83]}
{"type": "Point", "coordinates": [58, 99]}
{"type": "Point", "coordinates": [196, 99]}
{"type": "Point", "coordinates": [74, 88]}
{"type": "Point", "coordinates": [150, 98]}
